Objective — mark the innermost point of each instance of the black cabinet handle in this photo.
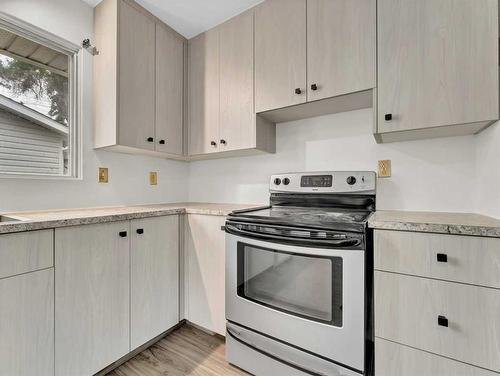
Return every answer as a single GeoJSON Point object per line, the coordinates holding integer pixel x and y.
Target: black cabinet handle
{"type": "Point", "coordinates": [388, 117]}
{"type": "Point", "coordinates": [442, 321]}
{"type": "Point", "coordinates": [140, 231]}
{"type": "Point", "coordinates": [298, 91]}
{"type": "Point", "coordinates": [161, 142]}
{"type": "Point", "coordinates": [150, 139]}
{"type": "Point", "coordinates": [213, 143]}
{"type": "Point", "coordinates": [123, 234]}
{"type": "Point", "coordinates": [223, 142]}
{"type": "Point", "coordinates": [314, 87]}
{"type": "Point", "coordinates": [442, 257]}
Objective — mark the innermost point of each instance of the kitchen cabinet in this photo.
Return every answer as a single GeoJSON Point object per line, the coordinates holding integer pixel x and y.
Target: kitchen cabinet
{"type": "Point", "coordinates": [314, 57]}
{"type": "Point", "coordinates": [437, 68]}
{"type": "Point", "coordinates": [203, 92]}
{"type": "Point", "coordinates": [436, 303]}
{"type": "Point", "coordinates": [341, 45]}
{"type": "Point", "coordinates": [138, 82]}
{"type": "Point", "coordinates": [92, 292]}
{"type": "Point", "coordinates": [27, 324]}
{"type": "Point", "coordinates": [204, 272]}
{"type": "Point", "coordinates": [154, 277]}
{"type": "Point", "coordinates": [221, 114]}
{"type": "Point", "coordinates": [280, 54]}
{"type": "Point", "coordinates": [169, 91]}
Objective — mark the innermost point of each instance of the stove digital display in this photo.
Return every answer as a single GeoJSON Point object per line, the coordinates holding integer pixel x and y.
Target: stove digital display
{"type": "Point", "coordinates": [312, 181]}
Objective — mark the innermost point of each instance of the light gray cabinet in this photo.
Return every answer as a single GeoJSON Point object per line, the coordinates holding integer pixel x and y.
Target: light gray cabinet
{"type": "Point", "coordinates": [27, 324]}
{"type": "Point", "coordinates": [138, 82]}
{"type": "Point", "coordinates": [154, 277]}
{"type": "Point", "coordinates": [169, 91]}
{"type": "Point", "coordinates": [341, 47]}
{"type": "Point", "coordinates": [280, 54]}
{"type": "Point", "coordinates": [437, 67]}
{"type": "Point", "coordinates": [204, 276]}
{"type": "Point", "coordinates": [92, 292]}
{"type": "Point", "coordinates": [221, 112]}
{"type": "Point", "coordinates": [203, 93]}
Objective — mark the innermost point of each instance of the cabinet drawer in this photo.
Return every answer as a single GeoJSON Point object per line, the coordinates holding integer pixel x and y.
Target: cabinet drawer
{"type": "Point", "coordinates": [407, 310]}
{"type": "Point", "coordinates": [392, 359]}
{"type": "Point", "coordinates": [464, 259]}
{"type": "Point", "coordinates": [25, 252]}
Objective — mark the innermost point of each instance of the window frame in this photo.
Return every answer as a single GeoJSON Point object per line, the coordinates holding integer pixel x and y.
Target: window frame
{"type": "Point", "coordinates": [74, 52]}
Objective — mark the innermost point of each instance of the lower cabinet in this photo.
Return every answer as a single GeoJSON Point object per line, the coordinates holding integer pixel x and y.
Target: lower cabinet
{"type": "Point", "coordinates": [27, 324]}
{"type": "Point", "coordinates": [116, 288]}
{"type": "Point", "coordinates": [154, 277]}
{"type": "Point", "coordinates": [92, 293]}
{"type": "Point", "coordinates": [204, 277]}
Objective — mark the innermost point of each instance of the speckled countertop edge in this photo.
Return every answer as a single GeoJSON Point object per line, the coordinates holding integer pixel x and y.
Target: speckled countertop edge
{"type": "Point", "coordinates": [469, 224]}
{"type": "Point", "coordinates": [39, 220]}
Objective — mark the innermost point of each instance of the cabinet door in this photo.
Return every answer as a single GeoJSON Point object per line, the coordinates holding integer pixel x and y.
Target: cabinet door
{"type": "Point", "coordinates": [92, 292]}
{"type": "Point", "coordinates": [237, 115]}
{"type": "Point", "coordinates": [437, 63]}
{"type": "Point", "coordinates": [280, 54]}
{"type": "Point", "coordinates": [154, 273]}
{"type": "Point", "coordinates": [136, 79]}
{"type": "Point", "coordinates": [204, 273]}
{"type": "Point", "coordinates": [203, 92]}
{"type": "Point", "coordinates": [27, 324]}
{"type": "Point", "coordinates": [341, 37]}
{"type": "Point", "coordinates": [169, 90]}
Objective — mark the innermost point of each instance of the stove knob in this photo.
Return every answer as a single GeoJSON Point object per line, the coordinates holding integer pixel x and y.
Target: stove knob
{"type": "Point", "coordinates": [351, 180]}
{"type": "Point", "coordinates": [277, 181]}
{"type": "Point", "coordinates": [286, 181]}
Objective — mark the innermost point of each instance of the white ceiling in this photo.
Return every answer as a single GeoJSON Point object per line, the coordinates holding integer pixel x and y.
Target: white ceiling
{"type": "Point", "coordinates": [191, 17]}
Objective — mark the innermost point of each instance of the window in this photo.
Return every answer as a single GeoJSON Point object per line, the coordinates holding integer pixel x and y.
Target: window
{"type": "Point", "coordinates": [38, 103]}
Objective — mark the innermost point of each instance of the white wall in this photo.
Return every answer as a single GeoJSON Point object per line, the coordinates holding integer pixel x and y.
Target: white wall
{"type": "Point", "coordinates": [438, 174]}
{"type": "Point", "coordinates": [488, 171]}
{"type": "Point", "coordinates": [73, 20]}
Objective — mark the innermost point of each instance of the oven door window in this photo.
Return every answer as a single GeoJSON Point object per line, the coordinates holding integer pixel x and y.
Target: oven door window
{"type": "Point", "coordinates": [306, 286]}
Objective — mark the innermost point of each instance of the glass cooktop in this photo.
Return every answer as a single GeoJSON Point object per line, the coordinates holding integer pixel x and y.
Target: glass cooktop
{"type": "Point", "coordinates": [324, 217]}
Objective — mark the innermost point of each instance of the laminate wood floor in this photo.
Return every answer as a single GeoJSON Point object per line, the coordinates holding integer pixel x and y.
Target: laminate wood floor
{"type": "Point", "coordinates": [186, 351]}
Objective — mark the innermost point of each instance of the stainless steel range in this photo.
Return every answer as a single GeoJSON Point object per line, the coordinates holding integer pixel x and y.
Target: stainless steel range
{"type": "Point", "coordinates": [299, 277]}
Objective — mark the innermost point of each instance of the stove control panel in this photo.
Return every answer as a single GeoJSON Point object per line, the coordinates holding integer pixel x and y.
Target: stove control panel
{"type": "Point", "coordinates": [324, 182]}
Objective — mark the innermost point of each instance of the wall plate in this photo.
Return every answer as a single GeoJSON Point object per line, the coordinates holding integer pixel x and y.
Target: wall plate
{"type": "Point", "coordinates": [153, 178]}
{"type": "Point", "coordinates": [102, 176]}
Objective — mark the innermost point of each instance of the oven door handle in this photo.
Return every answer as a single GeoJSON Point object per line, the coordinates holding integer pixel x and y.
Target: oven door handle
{"type": "Point", "coordinates": [337, 243]}
{"type": "Point", "coordinates": [289, 363]}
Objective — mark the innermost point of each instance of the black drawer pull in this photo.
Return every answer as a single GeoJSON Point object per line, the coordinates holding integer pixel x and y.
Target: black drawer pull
{"type": "Point", "coordinates": [298, 91]}
{"type": "Point", "coordinates": [140, 231]}
{"type": "Point", "coordinates": [223, 142]}
{"type": "Point", "coordinates": [388, 117]}
{"type": "Point", "coordinates": [150, 139]}
{"type": "Point", "coordinates": [213, 143]}
{"type": "Point", "coordinates": [442, 321]}
{"type": "Point", "coordinates": [161, 142]}
{"type": "Point", "coordinates": [442, 257]}
{"type": "Point", "coordinates": [314, 87]}
{"type": "Point", "coordinates": [123, 234]}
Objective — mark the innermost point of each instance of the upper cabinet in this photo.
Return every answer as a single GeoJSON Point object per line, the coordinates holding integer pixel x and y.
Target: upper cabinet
{"type": "Point", "coordinates": [437, 67]}
{"type": "Point", "coordinates": [203, 93]}
{"type": "Point", "coordinates": [138, 81]}
{"type": "Point", "coordinates": [280, 54]}
{"type": "Point", "coordinates": [307, 51]}
{"type": "Point", "coordinates": [340, 47]}
{"type": "Point", "coordinates": [221, 111]}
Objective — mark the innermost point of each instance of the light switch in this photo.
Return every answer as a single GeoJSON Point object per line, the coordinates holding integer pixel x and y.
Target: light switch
{"type": "Point", "coordinates": [102, 176]}
{"type": "Point", "coordinates": [153, 178]}
{"type": "Point", "coordinates": [384, 168]}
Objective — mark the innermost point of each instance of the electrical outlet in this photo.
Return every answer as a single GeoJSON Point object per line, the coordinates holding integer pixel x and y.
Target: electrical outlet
{"type": "Point", "coordinates": [153, 178]}
{"type": "Point", "coordinates": [102, 176]}
{"type": "Point", "coordinates": [384, 168]}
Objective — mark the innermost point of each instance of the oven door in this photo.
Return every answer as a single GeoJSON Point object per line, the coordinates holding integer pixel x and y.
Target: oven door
{"type": "Point", "coordinates": [308, 297]}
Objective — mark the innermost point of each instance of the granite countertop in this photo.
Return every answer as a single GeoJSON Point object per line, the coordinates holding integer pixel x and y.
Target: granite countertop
{"type": "Point", "coordinates": [436, 222]}
{"type": "Point", "coordinates": [44, 219]}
